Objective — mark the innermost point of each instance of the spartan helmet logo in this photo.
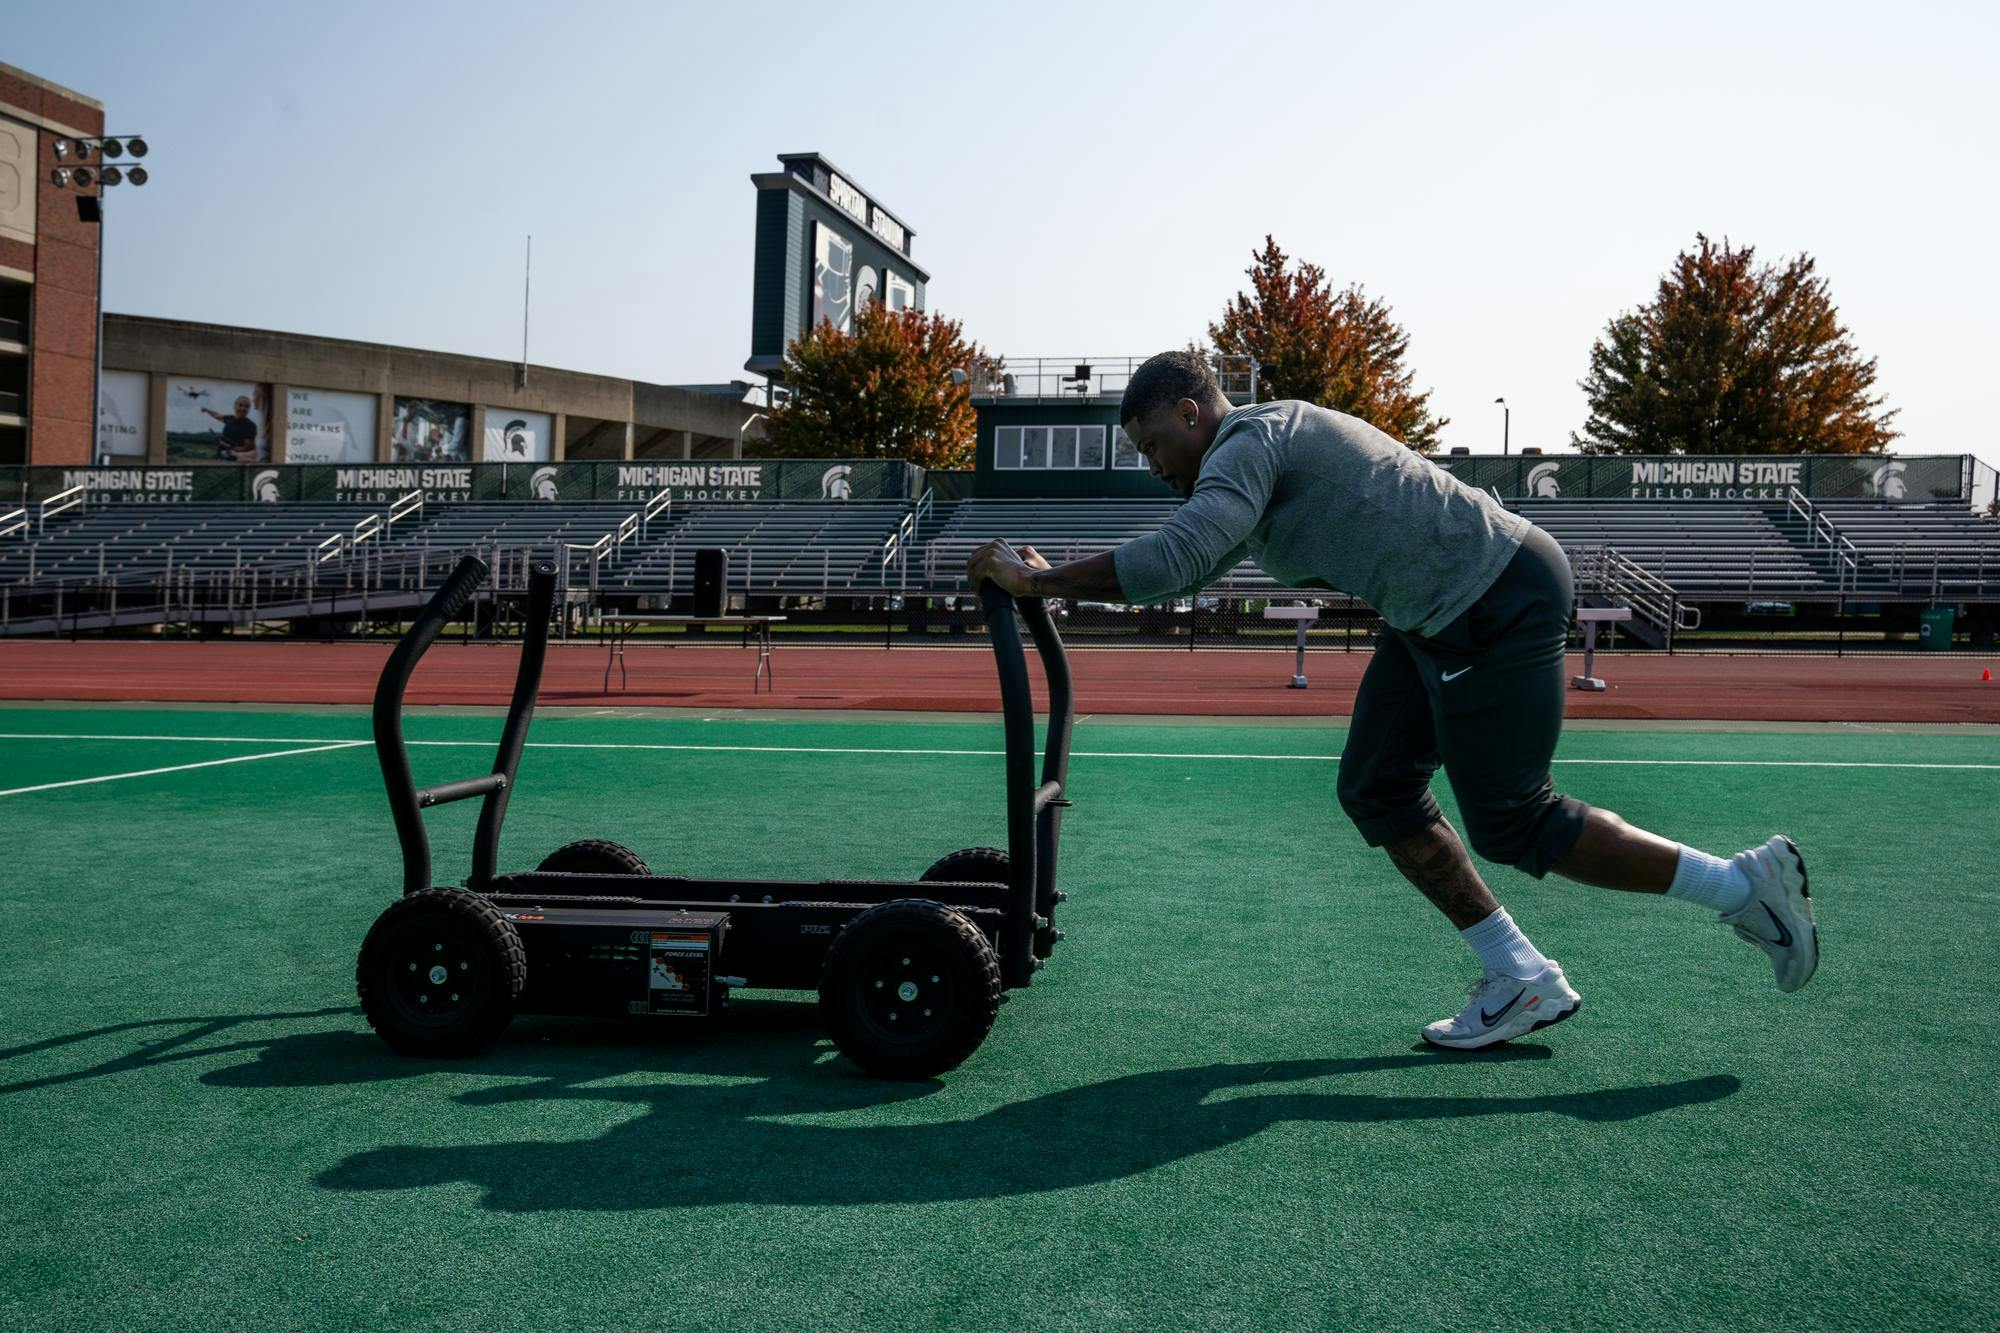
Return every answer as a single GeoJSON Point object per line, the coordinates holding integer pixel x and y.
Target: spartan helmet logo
{"type": "Point", "coordinates": [514, 438]}
{"type": "Point", "coordinates": [264, 487]}
{"type": "Point", "coordinates": [1886, 482]}
{"type": "Point", "coordinates": [1542, 481]}
{"type": "Point", "coordinates": [542, 483]}
{"type": "Point", "coordinates": [833, 483]}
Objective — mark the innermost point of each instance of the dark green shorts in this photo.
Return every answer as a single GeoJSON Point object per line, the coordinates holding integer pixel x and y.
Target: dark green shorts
{"type": "Point", "coordinates": [1483, 698]}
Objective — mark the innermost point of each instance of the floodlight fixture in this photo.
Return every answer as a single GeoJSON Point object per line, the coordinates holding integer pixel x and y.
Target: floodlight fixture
{"type": "Point", "coordinates": [84, 177]}
{"type": "Point", "coordinates": [136, 175]}
{"type": "Point", "coordinates": [111, 176]}
{"type": "Point", "coordinates": [62, 150]}
{"type": "Point", "coordinates": [59, 177]}
{"type": "Point", "coordinates": [112, 148]}
{"type": "Point", "coordinates": [136, 146]}
{"type": "Point", "coordinates": [81, 147]}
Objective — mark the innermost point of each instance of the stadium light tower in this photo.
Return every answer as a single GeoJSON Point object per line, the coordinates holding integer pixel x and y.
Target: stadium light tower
{"type": "Point", "coordinates": [754, 416]}
{"type": "Point", "coordinates": [90, 183]}
{"type": "Point", "coordinates": [1506, 424]}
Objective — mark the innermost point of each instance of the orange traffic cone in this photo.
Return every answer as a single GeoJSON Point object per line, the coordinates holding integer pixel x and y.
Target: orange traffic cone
{"type": "Point", "coordinates": [1987, 674]}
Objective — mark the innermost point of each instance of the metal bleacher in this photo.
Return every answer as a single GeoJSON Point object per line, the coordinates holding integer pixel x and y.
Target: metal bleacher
{"type": "Point", "coordinates": [1687, 552]}
{"type": "Point", "coordinates": [1061, 530]}
{"type": "Point", "coordinates": [1703, 548]}
{"type": "Point", "coordinates": [776, 547]}
{"type": "Point", "coordinates": [140, 541]}
{"type": "Point", "coordinates": [1924, 548]}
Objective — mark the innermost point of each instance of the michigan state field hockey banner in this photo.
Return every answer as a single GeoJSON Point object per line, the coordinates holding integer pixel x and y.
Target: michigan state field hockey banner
{"type": "Point", "coordinates": [382, 484]}
{"type": "Point", "coordinates": [1715, 477]}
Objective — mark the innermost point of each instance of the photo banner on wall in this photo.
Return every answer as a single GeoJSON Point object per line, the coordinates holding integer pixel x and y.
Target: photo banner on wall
{"type": "Point", "coordinates": [327, 426]}
{"type": "Point", "coordinates": [515, 436]}
{"type": "Point", "coordinates": [833, 278]}
{"type": "Point", "coordinates": [427, 430]}
{"type": "Point", "coordinates": [1887, 478]}
{"type": "Point", "coordinates": [122, 412]}
{"type": "Point", "coordinates": [378, 485]}
{"type": "Point", "coordinates": [1712, 477]}
{"type": "Point", "coordinates": [218, 421]}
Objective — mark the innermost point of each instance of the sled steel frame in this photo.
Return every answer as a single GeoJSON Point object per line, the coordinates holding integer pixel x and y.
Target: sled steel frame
{"type": "Point", "coordinates": [767, 915]}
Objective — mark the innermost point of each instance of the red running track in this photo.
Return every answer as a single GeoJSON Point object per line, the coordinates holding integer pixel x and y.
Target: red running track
{"type": "Point", "coordinates": [1215, 682]}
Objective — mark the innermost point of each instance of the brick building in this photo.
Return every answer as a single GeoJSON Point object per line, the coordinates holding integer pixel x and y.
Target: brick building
{"type": "Point", "coordinates": [48, 277]}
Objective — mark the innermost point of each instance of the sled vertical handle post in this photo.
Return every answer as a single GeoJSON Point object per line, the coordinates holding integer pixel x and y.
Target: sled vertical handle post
{"type": "Point", "coordinates": [1055, 759]}
{"type": "Point", "coordinates": [1017, 711]}
{"type": "Point", "coordinates": [520, 712]}
{"type": "Point", "coordinates": [390, 750]}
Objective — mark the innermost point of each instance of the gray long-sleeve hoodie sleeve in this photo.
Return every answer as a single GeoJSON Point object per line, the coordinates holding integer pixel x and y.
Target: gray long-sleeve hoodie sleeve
{"type": "Point", "coordinates": [1322, 500]}
{"type": "Point", "coordinates": [1206, 537]}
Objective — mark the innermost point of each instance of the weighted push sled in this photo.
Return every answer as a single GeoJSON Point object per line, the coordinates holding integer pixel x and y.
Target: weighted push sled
{"type": "Point", "coordinates": [910, 976]}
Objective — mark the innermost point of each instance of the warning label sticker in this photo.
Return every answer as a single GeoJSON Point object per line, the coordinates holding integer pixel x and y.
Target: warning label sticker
{"type": "Point", "coordinates": [677, 974]}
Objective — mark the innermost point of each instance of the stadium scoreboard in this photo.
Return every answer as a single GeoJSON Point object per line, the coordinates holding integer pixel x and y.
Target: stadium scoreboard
{"type": "Point", "coordinates": [825, 249]}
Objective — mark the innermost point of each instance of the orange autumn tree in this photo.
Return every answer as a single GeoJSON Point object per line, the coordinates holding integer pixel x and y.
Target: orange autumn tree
{"type": "Point", "coordinates": [883, 391]}
{"type": "Point", "coordinates": [1732, 357]}
{"type": "Point", "coordinates": [1341, 349]}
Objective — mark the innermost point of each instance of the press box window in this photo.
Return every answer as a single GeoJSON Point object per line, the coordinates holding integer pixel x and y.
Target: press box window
{"type": "Point", "coordinates": [1048, 448]}
{"type": "Point", "coordinates": [1123, 452]}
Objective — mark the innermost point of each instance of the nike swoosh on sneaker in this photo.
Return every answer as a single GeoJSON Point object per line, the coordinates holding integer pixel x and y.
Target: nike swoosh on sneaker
{"type": "Point", "coordinates": [1784, 936]}
{"type": "Point", "coordinates": [1453, 675]}
{"type": "Point", "coordinates": [1490, 1019]}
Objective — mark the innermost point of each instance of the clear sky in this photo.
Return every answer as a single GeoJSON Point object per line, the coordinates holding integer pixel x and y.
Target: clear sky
{"type": "Point", "coordinates": [1082, 179]}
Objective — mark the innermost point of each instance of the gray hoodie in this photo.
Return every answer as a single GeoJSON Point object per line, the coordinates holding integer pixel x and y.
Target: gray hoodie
{"type": "Point", "coordinates": [1324, 500]}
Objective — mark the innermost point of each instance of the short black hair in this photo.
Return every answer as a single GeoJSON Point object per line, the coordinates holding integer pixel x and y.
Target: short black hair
{"type": "Point", "coordinates": [1168, 378]}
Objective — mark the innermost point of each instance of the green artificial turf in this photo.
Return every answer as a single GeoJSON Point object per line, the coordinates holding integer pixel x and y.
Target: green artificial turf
{"type": "Point", "coordinates": [1211, 1111]}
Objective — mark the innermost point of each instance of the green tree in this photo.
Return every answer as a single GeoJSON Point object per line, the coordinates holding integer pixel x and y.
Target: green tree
{"type": "Point", "coordinates": [1732, 357]}
{"type": "Point", "coordinates": [883, 391]}
{"type": "Point", "coordinates": [1341, 349]}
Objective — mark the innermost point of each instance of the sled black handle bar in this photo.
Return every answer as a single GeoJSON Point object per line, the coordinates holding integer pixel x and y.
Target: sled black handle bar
{"type": "Point", "coordinates": [407, 801]}
{"type": "Point", "coordinates": [1034, 810]}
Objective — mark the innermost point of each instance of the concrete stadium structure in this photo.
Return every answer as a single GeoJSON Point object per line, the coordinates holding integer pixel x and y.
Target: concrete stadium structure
{"type": "Point", "coordinates": [594, 416]}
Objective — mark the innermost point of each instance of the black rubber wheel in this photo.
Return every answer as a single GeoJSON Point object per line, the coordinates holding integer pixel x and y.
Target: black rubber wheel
{"type": "Point", "coordinates": [440, 972]}
{"type": "Point", "coordinates": [910, 989]}
{"type": "Point", "coordinates": [594, 856]}
{"type": "Point", "coordinates": [974, 865]}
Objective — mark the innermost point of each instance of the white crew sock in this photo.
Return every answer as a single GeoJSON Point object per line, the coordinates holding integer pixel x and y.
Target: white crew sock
{"type": "Point", "coordinates": [1710, 881]}
{"type": "Point", "coordinates": [1503, 948]}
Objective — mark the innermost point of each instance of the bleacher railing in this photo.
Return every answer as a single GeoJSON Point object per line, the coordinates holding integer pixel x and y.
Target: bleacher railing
{"type": "Point", "coordinates": [1098, 376]}
{"type": "Point", "coordinates": [896, 547]}
{"type": "Point", "coordinates": [60, 502]}
{"type": "Point", "coordinates": [13, 522]}
{"type": "Point", "coordinates": [660, 503]}
{"type": "Point", "coordinates": [1820, 527]}
{"type": "Point", "coordinates": [411, 503]}
{"type": "Point", "coordinates": [1604, 571]}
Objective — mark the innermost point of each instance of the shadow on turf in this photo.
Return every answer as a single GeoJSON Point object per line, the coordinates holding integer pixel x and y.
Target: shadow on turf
{"type": "Point", "coordinates": [169, 1041]}
{"type": "Point", "coordinates": [750, 1128]}
{"type": "Point", "coordinates": [745, 1131]}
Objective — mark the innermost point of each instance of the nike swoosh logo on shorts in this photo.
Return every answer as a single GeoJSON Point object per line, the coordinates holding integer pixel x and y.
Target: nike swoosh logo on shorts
{"type": "Point", "coordinates": [1490, 1019]}
{"type": "Point", "coordinates": [1453, 675]}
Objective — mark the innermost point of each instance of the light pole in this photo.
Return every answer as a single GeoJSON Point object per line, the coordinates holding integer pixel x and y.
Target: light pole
{"type": "Point", "coordinates": [1506, 424]}
{"type": "Point", "coordinates": [754, 416]}
{"type": "Point", "coordinates": [91, 183]}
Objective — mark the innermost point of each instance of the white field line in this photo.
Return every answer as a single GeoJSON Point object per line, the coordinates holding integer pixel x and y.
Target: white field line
{"type": "Point", "coordinates": [178, 768]}
{"type": "Point", "coordinates": [323, 743]}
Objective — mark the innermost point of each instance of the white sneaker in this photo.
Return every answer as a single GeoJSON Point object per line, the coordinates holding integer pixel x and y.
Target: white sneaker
{"type": "Point", "coordinates": [1779, 916]}
{"type": "Point", "coordinates": [1500, 1008]}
